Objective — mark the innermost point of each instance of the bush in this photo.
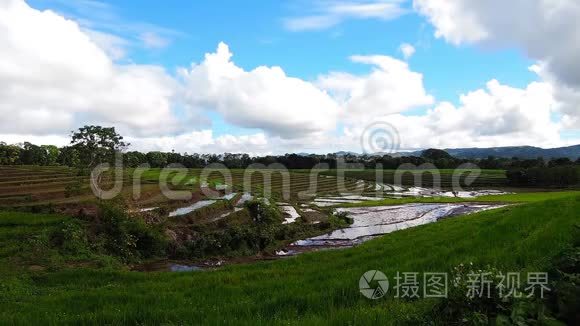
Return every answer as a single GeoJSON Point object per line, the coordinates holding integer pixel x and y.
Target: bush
{"type": "Point", "coordinates": [558, 307]}
{"type": "Point", "coordinates": [127, 237]}
{"type": "Point", "coordinates": [263, 213]}
{"type": "Point", "coordinates": [71, 238]}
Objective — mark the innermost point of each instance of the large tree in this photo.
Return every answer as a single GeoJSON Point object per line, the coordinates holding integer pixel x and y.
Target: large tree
{"type": "Point", "coordinates": [96, 144]}
{"type": "Point", "coordinates": [32, 154]}
{"type": "Point", "coordinates": [9, 154]}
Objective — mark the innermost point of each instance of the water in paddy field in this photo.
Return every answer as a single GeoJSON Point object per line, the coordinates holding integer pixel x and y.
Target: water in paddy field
{"type": "Point", "coordinates": [200, 204]}
{"type": "Point", "coordinates": [167, 266]}
{"type": "Point", "coordinates": [292, 213]}
{"type": "Point", "coordinates": [188, 209]}
{"type": "Point", "coordinates": [370, 222]}
{"type": "Point", "coordinates": [246, 196]}
{"type": "Point", "coordinates": [393, 191]}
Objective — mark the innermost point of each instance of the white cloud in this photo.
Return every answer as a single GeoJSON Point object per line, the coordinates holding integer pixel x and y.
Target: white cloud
{"type": "Point", "coordinates": [55, 77]}
{"type": "Point", "coordinates": [264, 97]}
{"type": "Point", "coordinates": [391, 87]}
{"type": "Point", "coordinates": [113, 45]}
{"type": "Point", "coordinates": [568, 98]}
{"type": "Point", "coordinates": [57, 140]}
{"type": "Point", "coordinates": [115, 34]}
{"type": "Point", "coordinates": [499, 115]}
{"type": "Point", "coordinates": [331, 13]}
{"type": "Point", "coordinates": [204, 141]}
{"type": "Point", "coordinates": [546, 30]}
{"type": "Point", "coordinates": [407, 50]}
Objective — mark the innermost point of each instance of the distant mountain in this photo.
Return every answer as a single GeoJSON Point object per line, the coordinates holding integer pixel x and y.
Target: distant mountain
{"type": "Point", "coordinates": [524, 152]}
{"type": "Point", "coordinates": [345, 153]}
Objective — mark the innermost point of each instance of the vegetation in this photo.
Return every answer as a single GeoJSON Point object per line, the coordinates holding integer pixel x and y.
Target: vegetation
{"type": "Point", "coordinates": [91, 145]}
{"type": "Point", "coordinates": [96, 144]}
{"type": "Point", "coordinates": [58, 244]}
{"type": "Point", "coordinates": [312, 288]}
{"type": "Point", "coordinates": [427, 177]}
{"type": "Point", "coordinates": [558, 176]}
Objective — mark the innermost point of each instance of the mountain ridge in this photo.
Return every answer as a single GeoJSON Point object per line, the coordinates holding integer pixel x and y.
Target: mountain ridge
{"type": "Point", "coordinates": [523, 152]}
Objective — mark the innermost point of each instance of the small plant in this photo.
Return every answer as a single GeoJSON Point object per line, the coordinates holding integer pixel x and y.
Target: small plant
{"type": "Point", "coordinates": [344, 217]}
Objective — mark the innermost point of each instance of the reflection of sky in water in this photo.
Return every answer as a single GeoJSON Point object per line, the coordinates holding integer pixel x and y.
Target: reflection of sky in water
{"type": "Point", "coordinates": [392, 191]}
{"type": "Point", "coordinates": [372, 221]}
{"type": "Point", "coordinates": [191, 208]}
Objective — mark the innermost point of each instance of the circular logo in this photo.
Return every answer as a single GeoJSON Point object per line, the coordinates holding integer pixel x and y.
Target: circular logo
{"type": "Point", "coordinates": [380, 137]}
{"type": "Point", "coordinates": [373, 284]}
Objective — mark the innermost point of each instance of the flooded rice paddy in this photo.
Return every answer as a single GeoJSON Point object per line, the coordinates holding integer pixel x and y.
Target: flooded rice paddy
{"type": "Point", "coordinates": [370, 222]}
{"type": "Point", "coordinates": [188, 209]}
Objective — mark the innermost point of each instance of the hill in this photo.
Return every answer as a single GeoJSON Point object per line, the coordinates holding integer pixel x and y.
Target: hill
{"type": "Point", "coordinates": [572, 152]}
{"type": "Point", "coordinates": [523, 152]}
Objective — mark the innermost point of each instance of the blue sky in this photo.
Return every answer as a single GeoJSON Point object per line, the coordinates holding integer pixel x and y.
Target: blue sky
{"type": "Point", "coordinates": [311, 40]}
{"type": "Point", "coordinates": [256, 33]}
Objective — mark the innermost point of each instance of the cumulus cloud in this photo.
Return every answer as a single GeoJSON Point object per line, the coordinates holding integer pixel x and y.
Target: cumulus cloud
{"type": "Point", "coordinates": [498, 115]}
{"type": "Point", "coordinates": [546, 30]}
{"type": "Point", "coordinates": [54, 77]}
{"type": "Point", "coordinates": [114, 46]}
{"type": "Point", "coordinates": [407, 50]}
{"type": "Point", "coordinates": [264, 97]}
{"type": "Point", "coordinates": [331, 13]}
{"type": "Point", "coordinates": [391, 87]}
{"type": "Point", "coordinates": [204, 141]}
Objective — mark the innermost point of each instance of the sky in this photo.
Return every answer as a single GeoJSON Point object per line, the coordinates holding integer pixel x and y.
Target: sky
{"type": "Point", "coordinates": [274, 77]}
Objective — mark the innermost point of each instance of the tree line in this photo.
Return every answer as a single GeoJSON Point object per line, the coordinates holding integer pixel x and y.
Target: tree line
{"type": "Point", "coordinates": [91, 145]}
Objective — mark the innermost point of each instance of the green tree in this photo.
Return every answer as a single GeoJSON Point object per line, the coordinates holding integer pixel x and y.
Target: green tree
{"type": "Point", "coordinates": [96, 144]}
{"type": "Point", "coordinates": [562, 161]}
{"type": "Point", "coordinates": [52, 153]}
{"type": "Point", "coordinates": [134, 159]}
{"type": "Point", "coordinates": [32, 154]}
{"type": "Point", "coordinates": [435, 154]}
{"type": "Point", "coordinates": [9, 154]}
{"type": "Point", "coordinates": [157, 159]}
{"type": "Point", "coordinates": [68, 156]}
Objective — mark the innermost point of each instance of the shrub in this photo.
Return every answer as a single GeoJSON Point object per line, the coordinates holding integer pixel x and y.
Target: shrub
{"type": "Point", "coordinates": [263, 213]}
{"type": "Point", "coordinates": [70, 238]}
{"type": "Point", "coordinates": [127, 237]}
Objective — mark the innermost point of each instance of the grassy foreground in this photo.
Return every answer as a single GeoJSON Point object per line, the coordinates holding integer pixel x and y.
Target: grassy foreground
{"type": "Point", "coordinates": [314, 288]}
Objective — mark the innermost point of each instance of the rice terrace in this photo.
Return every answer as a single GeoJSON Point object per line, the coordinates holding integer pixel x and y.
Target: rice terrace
{"type": "Point", "coordinates": [427, 173]}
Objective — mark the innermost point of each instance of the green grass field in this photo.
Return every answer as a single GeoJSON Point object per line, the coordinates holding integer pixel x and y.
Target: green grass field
{"type": "Point", "coordinates": [31, 186]}
{"type": "Point", "coordinates": [313, 288]}
{"type": "Point", "coordinates": [483, 178]}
